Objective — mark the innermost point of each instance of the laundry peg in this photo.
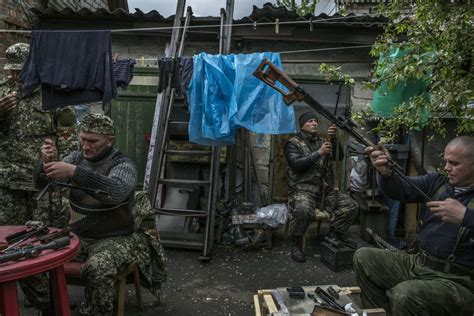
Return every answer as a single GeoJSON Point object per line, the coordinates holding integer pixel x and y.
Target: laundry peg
{"type": "Point", "coordinates": [254, 25]}
{"type": "Point", "coordinates": [310, 24]}
{"type": "Point", "coordinates": [277, 26]}
{"type": "Point", "coordinates": [142, 61]}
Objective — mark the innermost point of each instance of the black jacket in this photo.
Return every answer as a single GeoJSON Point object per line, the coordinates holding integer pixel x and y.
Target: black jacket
{"type": "Point", "coordinates": [305, 166]}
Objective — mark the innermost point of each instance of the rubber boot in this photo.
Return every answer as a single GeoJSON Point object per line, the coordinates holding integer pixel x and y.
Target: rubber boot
{"type": "Point", "coordinates": [296, 253]}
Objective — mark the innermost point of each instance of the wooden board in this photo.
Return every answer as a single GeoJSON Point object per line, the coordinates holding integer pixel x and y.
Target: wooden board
{"type": "Point", "coordinates": [267, 305]}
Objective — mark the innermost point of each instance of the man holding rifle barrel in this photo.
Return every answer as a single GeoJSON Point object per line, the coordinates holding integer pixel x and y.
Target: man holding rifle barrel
{"type": "Point", "coordinates": [310, 184]}
{"type": "Point", "coordinates": [439, 278]}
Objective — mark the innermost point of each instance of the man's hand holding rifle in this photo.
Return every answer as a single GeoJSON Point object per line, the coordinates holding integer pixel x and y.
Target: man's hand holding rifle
{"type": "Point", "coordinates": [271, 75]}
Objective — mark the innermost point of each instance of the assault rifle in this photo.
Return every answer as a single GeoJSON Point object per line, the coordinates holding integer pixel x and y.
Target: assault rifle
{"type": "Point", "coordinates": [324, 185]}
{"type": "Point", "coordinates": [15, 239]}
{"type": "Point", "coordinates": [66, 185]}
{"type": "Point", "coordinates": [271, 75]}
{"type": "Point", "coordinates": [31, 251]}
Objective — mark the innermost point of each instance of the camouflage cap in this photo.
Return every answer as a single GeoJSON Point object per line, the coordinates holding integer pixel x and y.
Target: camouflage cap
{"type": "Point", "coordinates": [16, 56]}
{"type": "Point", "coordinates": [97, 123]}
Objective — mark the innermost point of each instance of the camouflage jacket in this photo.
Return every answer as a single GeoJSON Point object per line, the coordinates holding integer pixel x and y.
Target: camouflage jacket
{"type": "Point", "coordinates": [23, 131]}
{"type": "Point", "coordinates": [305, 166]}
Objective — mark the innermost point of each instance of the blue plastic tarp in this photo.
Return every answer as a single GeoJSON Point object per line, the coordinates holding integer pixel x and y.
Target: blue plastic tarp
{"type": "Point", "coordinates": [224, 95]}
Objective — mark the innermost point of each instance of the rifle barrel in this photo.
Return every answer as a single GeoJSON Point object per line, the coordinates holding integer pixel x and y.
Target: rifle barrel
{"type": "Point", "coordinates": [270, 74]}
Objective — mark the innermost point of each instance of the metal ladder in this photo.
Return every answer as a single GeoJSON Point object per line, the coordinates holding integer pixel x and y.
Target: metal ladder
{"type": "Point", "coordinates": [166, 152]}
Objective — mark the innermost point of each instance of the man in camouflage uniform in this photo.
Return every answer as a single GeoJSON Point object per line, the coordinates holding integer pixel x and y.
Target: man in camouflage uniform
{"type": "Point", "coordinates": [306, 174]}
{"type": "Point", "coordinates": [101, 217]}
{"type": "Point", "coordinates": [23, 128]}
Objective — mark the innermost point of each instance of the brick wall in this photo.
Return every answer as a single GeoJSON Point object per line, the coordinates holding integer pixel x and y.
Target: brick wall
{"type": "Point", "coordinates": [78, 4]}
{"type": "Point", "coordinates": [12, 18]}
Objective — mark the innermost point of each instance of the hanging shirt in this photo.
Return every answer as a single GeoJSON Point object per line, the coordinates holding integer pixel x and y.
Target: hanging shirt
{"type": "Point", "coordinates": [224, 95]}
{"type": "Point", "coordinates": [123, 72]}
{"type": "Point", "coordinates": [73, 67]}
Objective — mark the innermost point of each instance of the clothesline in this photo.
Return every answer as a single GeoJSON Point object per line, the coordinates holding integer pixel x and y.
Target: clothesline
{"type": "Point", "coordinates": [254, 24]}
{"type": "Point", "coordinates": [283, 52]}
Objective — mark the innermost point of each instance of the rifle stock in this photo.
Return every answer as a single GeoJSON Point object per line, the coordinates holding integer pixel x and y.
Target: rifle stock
{"type": "Point", "coordinates": [272, 75]}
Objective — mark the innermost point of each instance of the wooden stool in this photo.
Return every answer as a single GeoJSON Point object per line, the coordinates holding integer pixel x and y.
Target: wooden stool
{"type": "Point", "coordinates": [72, 270]}
{"type": "Point", "coordinates": [321, 216]}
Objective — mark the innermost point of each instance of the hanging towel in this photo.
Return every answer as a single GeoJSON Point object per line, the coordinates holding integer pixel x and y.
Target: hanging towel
{"type": "Point", "coordinates": [224, 95]}
{"type": "Point", "coordinates": [73, 67]}
{"type": "Point", "coordinates": [166, 68]}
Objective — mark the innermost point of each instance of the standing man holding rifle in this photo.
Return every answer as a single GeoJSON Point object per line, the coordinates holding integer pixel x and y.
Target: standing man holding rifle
{"type": "Point", "coordinates": [310, 184]}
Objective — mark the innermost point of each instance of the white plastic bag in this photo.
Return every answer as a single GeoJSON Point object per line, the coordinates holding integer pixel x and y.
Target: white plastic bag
{"type": "Point", "coordinates": [272, 215]}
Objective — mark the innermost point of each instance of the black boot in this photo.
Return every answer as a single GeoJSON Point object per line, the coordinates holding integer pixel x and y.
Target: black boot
{"type": "Point", "coordinates": [296, 253]}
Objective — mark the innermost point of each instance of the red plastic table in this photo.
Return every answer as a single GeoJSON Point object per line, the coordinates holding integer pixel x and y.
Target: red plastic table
{"type": "Point", "coordinates": [48, 260]}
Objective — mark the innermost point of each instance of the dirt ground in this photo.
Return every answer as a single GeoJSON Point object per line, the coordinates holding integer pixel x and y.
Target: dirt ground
{"type": "Point", "coordinates": [226, 284]}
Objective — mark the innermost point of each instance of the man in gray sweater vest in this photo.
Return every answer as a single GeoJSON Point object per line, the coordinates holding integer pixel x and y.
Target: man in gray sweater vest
{"type": "Point", "coordinates": [101, 217]}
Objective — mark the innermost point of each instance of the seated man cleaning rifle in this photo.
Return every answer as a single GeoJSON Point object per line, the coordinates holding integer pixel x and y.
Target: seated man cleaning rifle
{"type": "Point", "coordinates": [102, 187]}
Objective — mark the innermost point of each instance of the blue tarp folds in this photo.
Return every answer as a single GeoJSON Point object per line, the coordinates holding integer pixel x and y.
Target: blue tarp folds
{"type": "Point", "coordinates": [224, 95]}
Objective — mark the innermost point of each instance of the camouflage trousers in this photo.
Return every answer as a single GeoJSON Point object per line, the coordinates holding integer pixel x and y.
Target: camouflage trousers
{"type": "Point", "coordinates": [396, 282]}
{"type": "Point", "coordinates": [151, 260]}
{"type": "Point", "coordinates": [16, 208]}
{"type": "Point", "coordinates": [302, 208]}
{"type": "Point", "coordinates": [104, 259]}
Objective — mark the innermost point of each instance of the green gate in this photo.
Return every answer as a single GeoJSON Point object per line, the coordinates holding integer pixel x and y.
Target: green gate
{"type": "Point", "coordinates": [133, 113]}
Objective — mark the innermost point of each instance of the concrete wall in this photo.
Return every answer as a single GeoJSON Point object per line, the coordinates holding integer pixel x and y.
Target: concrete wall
{"type": "Point", "coordinates": [12, 18]}
{"type": "Point", "coordinates": [271, 170]}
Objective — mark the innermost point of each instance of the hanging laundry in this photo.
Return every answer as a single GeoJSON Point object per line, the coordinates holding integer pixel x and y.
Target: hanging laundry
{"type": "Point", "coordinates": [224, 95]}
{"type": "Point", "coordinates": [166, 67]}
{"type": "Point", "coordinates": [72, 67]}
{"type": "Point", "coordinates": [176, 73]}
{"type": "Point", "coordinates": [185, 74]}
{"type": "Point", "coordinates": [123, 72]}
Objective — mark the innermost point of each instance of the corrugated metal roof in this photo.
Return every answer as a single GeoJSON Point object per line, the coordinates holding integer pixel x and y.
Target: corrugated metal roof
{"type": "Point", "coordinates": [267, 13]}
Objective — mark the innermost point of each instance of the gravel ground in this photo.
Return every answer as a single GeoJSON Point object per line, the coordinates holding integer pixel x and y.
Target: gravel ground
{"type": "Point", "coordinates": [226, 284]}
